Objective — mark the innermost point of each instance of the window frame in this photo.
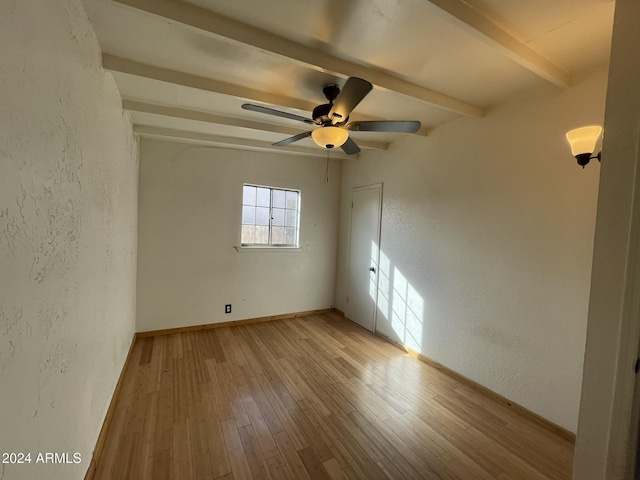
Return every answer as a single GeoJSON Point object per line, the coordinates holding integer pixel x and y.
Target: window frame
{"type": "Point", "coordinates": [271, 246]}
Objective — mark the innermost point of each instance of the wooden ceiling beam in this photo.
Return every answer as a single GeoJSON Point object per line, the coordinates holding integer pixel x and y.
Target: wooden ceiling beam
{"type": "Point", "coordinates": [130, 67]}
{"type": "Point", "coordinates": [187, 114]}
{"type": "Point", "coordinates": [473, 22]}
{"type": "Point", "coordinates": [231, 142]}
{"type": "Point", "coordinates": [207, 21]}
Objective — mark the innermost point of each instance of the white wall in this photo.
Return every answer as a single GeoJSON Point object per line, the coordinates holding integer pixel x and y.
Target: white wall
{"type": "Point", "coordinates": [606, 428]}
{"type": "Point", "coordinates": [190, 214]}
{"type": "Point", "coordinates": [68, 193]}
{"type": "Point", "coordinates": [490, 222]}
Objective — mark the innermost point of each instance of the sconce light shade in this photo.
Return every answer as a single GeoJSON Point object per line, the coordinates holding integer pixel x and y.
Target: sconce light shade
{"type": "Point", "coordinates": [583, 143]}
{"type": "Point", "coordinates": [330, 137]}
{"type": "Point", "coordinates": [583, 140]}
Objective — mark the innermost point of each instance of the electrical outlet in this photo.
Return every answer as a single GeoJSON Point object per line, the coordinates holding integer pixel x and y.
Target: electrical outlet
{"type": "Point", "coordinates": [227, 308]}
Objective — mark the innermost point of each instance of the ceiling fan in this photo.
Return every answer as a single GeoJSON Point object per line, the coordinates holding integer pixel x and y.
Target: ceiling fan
{"type": "Point", "coordinates": [333, 118]}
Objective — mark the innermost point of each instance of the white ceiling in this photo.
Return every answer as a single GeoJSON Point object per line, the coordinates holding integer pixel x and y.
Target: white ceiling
{"type": "Point", "coordinates": [185, 68]}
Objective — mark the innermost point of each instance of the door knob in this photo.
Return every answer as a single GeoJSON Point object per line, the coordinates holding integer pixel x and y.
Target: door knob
{"type": "Point", "coordinates": [372, 269]}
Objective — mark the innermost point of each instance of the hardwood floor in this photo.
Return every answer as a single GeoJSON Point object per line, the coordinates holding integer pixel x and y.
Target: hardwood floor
{"type": "Point", "coordinates": [314, 397]}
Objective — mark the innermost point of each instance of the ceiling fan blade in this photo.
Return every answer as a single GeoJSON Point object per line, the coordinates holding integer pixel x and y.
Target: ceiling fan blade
{"type": "Point", "coordinates": [277, 113]}
{"type": "Point", "coordinates": [400, 126]}
{"type": "Point", "coordinates": [350, 147]}
{"type": "Point", "coordinates": [290, 140]}
{"type": "Point", "coordinates": [351, 94]}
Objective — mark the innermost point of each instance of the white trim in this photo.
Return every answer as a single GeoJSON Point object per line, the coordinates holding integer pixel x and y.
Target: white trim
{"type": "Point", "coordinates": [246, 249]}
{"type": "Point", "coordinates": [608, 423]}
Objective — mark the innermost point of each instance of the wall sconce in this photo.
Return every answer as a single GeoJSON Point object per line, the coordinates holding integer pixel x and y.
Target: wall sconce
{"type": "Point", "coordinates": [583, 143]}
{"type": "Point", "coordinates": [330, 137]}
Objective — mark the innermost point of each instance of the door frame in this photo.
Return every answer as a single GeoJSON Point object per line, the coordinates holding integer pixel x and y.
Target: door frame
{"type": "Point", "coordinates": [379, 187]}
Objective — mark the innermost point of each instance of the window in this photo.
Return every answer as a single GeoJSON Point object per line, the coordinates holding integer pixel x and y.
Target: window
{"type": "Point", "coordinates": [270, 216]}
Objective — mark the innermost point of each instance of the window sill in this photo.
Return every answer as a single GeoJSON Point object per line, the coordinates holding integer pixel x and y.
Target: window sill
{"type": "Point", "coordinates": [243, 249]}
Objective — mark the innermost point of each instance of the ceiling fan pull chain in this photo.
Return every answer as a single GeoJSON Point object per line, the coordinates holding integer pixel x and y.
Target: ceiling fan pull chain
{"type": "Point", "coordinates": [326, 173]}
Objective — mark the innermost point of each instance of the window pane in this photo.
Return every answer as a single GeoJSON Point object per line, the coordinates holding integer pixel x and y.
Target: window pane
{"type": "Point", "coordinates": [264, 197]}
{"type": "Point", "coordinates": [262, 235]}
{"type": "Point", "coordinates": [262, 216]}
{"type": "Point", "coordinates": [278, 198]}
{"type": "Point", "coordinates": [277, 217]}
{"type": "Point", "coordinates": [277, 235]}
{"type": "Point", "coordinates": [248, 195]}
{"type": "Point", "coordinates": [291, 218]}
{"type": "Point", "coordinates": [292, 200]}
{"type": "Point", "coordinates": [248, 233]}
{"type": "Point", "coordinates": [270, 216]}
{"type": "Point", "coordinates": [248, 215]}
{"type": "Point", "coordinates": [290, 236]}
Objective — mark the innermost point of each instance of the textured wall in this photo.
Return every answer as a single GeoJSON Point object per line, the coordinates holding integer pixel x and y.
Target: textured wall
{"type": "Point", "coordinates": [190, 213]}
{"type": "Point", "coordinates": [487, 235]}
{"type": "Point", "coordinates": [68, 217]}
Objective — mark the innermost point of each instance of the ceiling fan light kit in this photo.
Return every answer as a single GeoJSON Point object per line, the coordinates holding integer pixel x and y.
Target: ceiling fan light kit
{"type": "Point", "coordinates": [583, 143]}
{"type": "Point", "coordinates": [330, 137]}
{"type": "Point", "coordinates": [331, 118]}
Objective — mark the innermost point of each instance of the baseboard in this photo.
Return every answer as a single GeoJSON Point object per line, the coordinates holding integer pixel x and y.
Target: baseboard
{"type": "Point", "coordinates": [107, 419]}
{"type": "Point", "coordinates": [520, 410]}
{"type": "Point", "coordinates": [208, 326]}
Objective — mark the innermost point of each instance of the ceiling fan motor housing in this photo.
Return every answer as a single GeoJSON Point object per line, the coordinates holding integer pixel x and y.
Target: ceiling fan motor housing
{"type": "Point", "coordinates": [320, 114]}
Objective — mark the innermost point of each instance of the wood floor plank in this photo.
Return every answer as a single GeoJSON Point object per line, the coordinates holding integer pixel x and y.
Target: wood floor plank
{"type": "Point", "coordinates": [223, 407]}
{"type": "Point", "coordinates": [458, 437]}
{"type": "Point", "coordinates": [291, 457]}
{"type": "Point", "coordinates": [180, 402]}
{"type": "Point", "coordinates": [217, 452]}
{"type": "Point", "coordinates": [164, 415]}
{"type": "Point", "coordinates": [360, 402]}
{"type": "Point", "coordinates": [182, 467]}
{"type": "Point", "coordinates": [218, 352]}
{"type": "Point", "coordinates": [332, 399]}
{"type": "Point", "coordinates": [177, 345]}
{"type": "Point", "coordinates": [237, 407]}
{"type": "Point", "coordinates": [260, 428]}
{"type": "Point", "coordinates": [162, 461]}
{"type": "Point", "coordinates": [387, 440]}
{"type": "Point", "coordinates": [344, 459]}
{"type": "Point", "coordinates": [266, 409]}
{"type": "Point", "coordinates": [391, 454]}
{"type": "Point", "coordinates": [199, 441]}
{"type": "Point", "coordinates": [235, 450]}
{"type": "Point", "coordinates": [126, 457]}
{"type": "Point", "coordinates": [314, 439]}
{"type": "Point", "coordinates": [147, 351]}
{"type": "Point", "coordinates": [279, 469]}
{"type": "Point", "coordinates": [298, 438]}
{"type": "Point", "coordinates": [426, 449]}
{"type": "Point", "coordinates": [253, 453]}
{"type": "Point", "coordinates": [389, 470]}
{"type": "Point", "coordinates": [356, 451]}
{"type": "Point", "coordinates": [312, 397]}
{"type": "Point", "coordinates": [144, 461]}
{"type": "Point", "coordinates": [312, 464]}
{"type": "Point", "coordinates": [229, 345]}
{"type": "Point", "coordinates": [334, 470]}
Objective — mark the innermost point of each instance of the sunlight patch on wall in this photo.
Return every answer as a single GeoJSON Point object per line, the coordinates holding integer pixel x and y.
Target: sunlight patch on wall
{"type": "Point", "coordinates": [399, 302]}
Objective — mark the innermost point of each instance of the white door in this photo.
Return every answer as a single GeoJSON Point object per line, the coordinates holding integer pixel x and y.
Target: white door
{"type": "Point", "coordinates": [364, 254]}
